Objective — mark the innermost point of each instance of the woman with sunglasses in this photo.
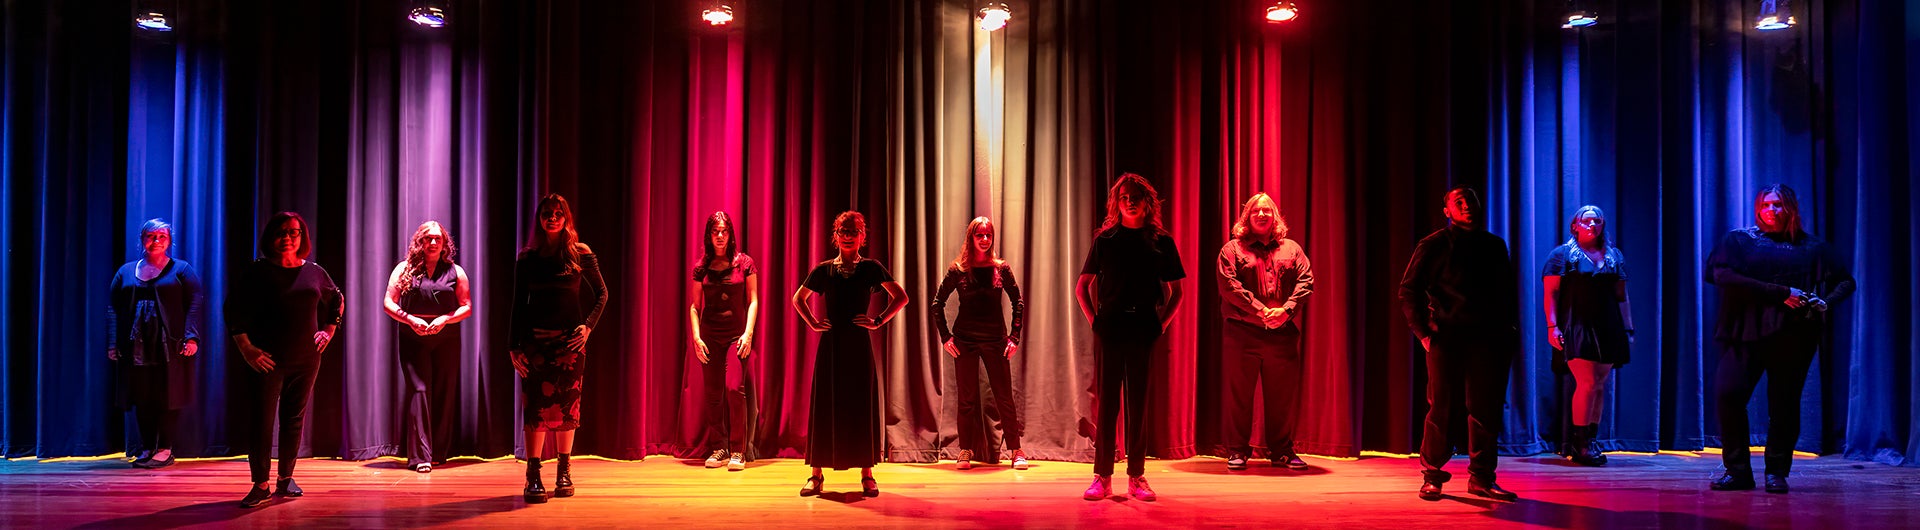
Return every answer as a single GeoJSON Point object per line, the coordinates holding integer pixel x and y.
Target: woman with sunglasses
{"type": "Point", "coordinates": [549, 329]}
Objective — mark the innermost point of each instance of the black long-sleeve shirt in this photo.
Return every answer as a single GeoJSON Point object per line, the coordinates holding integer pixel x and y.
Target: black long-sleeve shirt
{"type": "Point", "coordinates": [1755, 271]}
{"type": "Point", "coordinates": [280, 308]}
{"type": "Point", "coordinates": [980, 318]}
{"type": "Point", "coordinates": [547, 296]}
{"type": "Point", "coordinates": [1460, 278]}
{"type": "Point", "coordinates": [1255, 276]}
{"type": "Point", "coordinates": [178, 292]}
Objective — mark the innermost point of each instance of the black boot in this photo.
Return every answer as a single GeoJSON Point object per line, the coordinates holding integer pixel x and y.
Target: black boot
{"type": "Point", "coordinates": [1582, 450]}
{"type": "Point", "coordinates": [563, 483]}
{"type": "Point", "coordinates": [536, 492]}
{"type": "Point", "coordinates": [1593, 449]}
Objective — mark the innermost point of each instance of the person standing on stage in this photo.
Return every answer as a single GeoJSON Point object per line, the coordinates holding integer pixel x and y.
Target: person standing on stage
{"type": "Point", "coordinates": [844, 420]}
{"type": "Point", "coordinates": [282, 312]}
{"type": "Point", "coordinates": [427, 295]}
{"type": "Point", "coordinates": [154, 316]}
{"type": "Point", "coordinates": [1460, 297]}
{"type": "Point", "coordinates": [1128, 290]}
{"type": "Point", "coordinates": [1589, 322]}
{"type": "Point", "coordinates": [980, 336]}
{"type": "Point", "coordinates": [1776, 283]}
{"type": "Point", "coordinates": [1264, 277]}
{"type": "Point", "coordinates": [726, 304]}
{"type": "Point", "coordinates": [549, 329]}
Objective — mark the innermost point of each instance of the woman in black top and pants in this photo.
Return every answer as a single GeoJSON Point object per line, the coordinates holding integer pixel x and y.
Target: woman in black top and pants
{"type": "Point", "coordinates": [427, 295]}
{"type": "Point", "coordinates": [549, 328]}
{"type": "Point", "coordinates": [980, 336]}
{"type": "Point", "coordinates": [282, 312]}
{"type": "Point", "coordinates": [726, 305]}
{"type": "Point", "coordinates": [1776, 282]}
{"type": "Point", "coordinates": [155, 320]}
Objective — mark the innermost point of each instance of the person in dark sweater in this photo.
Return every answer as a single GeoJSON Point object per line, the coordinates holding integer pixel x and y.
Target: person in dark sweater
{"type": "Point", "coordinates": [282, 312]}
{"type": "Point", "coordinates": [1129, 288]}
{"type": "Point", "coordinates": [549, 328]}
{"type": "Point", "coordinates": [1460, 297]}
{"type": "Point", "coordinates": [1589, 323]}
{"type": "Point", "coordinates": [726, 306]}
{"type": "Point", "coordinates": [154, 318]}
{"type": "Point", "coordinates": [844, 420]}
{"type": "Point", "coordinates": [1776, 284]}
{"type": "Point", "coordinates": [1264, 279]}
{"type": "Point", "coordinates": [980, 336]}
{"type": "Point", "coordinates": [427, 296]}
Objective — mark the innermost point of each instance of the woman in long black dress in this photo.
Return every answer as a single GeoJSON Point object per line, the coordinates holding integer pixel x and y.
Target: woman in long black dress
{"type": "Point", "coordinates": [844, 421]}
{"type": "Point", "coordinates": [155, 320]}
{"type": "Point", "coordinates": [726, 305]}
{"type": "Point", "coordinates": [427, 295]}
{"type": "Point", "coordinates": [980, 336]}
{"type": "Point", "coordinates": [1589, 322]}
{"type": "Point", "coordinates": [1776, 283]}
{"type": "Point", "coordinates": [550, 326]}
{"type": "Point", "coordinates": [282, 312]}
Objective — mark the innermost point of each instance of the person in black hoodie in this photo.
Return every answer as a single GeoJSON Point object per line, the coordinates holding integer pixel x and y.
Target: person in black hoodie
{"type": "Point", "coordinates": [1460, 297]}
{"type": "Point", "coordinates": [1776, 283]}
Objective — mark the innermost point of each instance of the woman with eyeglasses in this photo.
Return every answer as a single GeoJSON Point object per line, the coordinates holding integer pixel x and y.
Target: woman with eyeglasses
{"type": "Point", "coordinates": [726, 304]}
{"type": "Point", "coordinates": [549, 327]}
{"type": "Point", "coordinates": [154, 316]}
{"type": "Point", "coordinates": [1589, 323]}
{"type": "Point", "coordinates": [282, 311]}
{"type": "Point", "coordinates": [980, 337]}
{"type": "Point", "coordinates": [427, 295]}
{"type": "Point", "coordinates": [844, 423]}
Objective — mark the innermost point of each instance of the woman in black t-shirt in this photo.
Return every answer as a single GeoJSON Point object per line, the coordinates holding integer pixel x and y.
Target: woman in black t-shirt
{"type": "Point", "coordinates": [726, 305]}
{"type": "Point", "coordinates": [427, 295]}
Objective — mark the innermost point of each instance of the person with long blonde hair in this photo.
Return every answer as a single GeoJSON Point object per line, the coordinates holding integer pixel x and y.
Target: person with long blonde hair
{"type": "Point", "coordinates": [427, 296]}
{"type": "Point", "coordinates": [979, 336]}
{"type": "Point", "coordinates": [1264, 279]}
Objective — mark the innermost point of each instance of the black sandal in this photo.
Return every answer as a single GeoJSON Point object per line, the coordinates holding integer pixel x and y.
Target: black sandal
{"type": "Point", "coordinates": [813, 487]}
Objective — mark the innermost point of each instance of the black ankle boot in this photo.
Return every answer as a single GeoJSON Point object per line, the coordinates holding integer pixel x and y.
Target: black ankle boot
{"type": "Point", "coordinates": [536, 492]}
{"type": "Point", "coordinates": [563, 483]}
{"type": "Point", "coordinates": [1593, 449]}
{"type": "Point", "coordinates": [1582, 450]}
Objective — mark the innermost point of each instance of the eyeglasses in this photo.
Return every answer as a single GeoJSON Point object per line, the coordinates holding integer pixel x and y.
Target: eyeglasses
{"type": "Point", "coordinates": [552, 214]}
{"type": "Point", "coordinates": [289, 232]}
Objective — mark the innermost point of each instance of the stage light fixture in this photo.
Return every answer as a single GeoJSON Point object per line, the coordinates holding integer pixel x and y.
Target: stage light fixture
{"type": "Point", "coordinates": [432, 13]}
{"type": "Point", "coordinates": [994, 16]}
{"type": "Point", "coordinates": [718, 15]}
{"type": "Point", "coordinates": [1580, 19]}
{"type": "Point", "coordinates": [1282, 12]}
{"type": "Point", "coordinates": [1775, 14]}
{"type": "Point", "coordinates": [153, 21]}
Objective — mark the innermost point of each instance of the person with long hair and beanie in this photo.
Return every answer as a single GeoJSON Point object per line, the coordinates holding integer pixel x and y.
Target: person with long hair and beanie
{"type": "Point", "coordinates": [980, 336]}
{"type": "Point", "coordinates": [1460, 295]}
{"type": "Point", "coordinates": [726, 305]}
{"type": "Point", "coordinates": [282, 312]}
{"type": "Point", "coordinates": [1264, 279]}
{"type": "Point", "coordinates": [1128, 290]}
{"type": "Point", "coordinates": [427, 296]}
{"type": "Point", "coordinates": [844, 421]}
{"type": "Point", "coordinates": [1589, 323]}
{"type": "Point", "coordinates": [549, 330]}
{"type": "Point", "coordinates": [1776, 284]}
{"type": "Point", "coordinates": [154, 315]}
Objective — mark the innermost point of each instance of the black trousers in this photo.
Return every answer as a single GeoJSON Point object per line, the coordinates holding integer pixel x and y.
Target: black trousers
{"type": "Point", "coordinates": [430, 375]}
{"type": "Point", "coordinates": [147, 399]}
{"type": "Point", "coordinates": [729, 415]}
{"type": "Point", "coordinates": [1467, 375]}
{"type": "Point", "coordinates": [281, 395]}
{"type": "Point", "coordinates": [1785, 359]}
{"type": "Point", "coordinates": [975, 420]}
{"type": "Point", "coordinates": [1125, 340]}
{"type": "Point", "coordinates": [1255, 354]}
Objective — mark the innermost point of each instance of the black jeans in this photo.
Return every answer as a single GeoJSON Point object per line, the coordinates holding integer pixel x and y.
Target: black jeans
{"type": "Point", "coordinates": [1785, 359]}
{"type": "Point", "coordinates": [280, 394]}
{"type": "Point", "coordinates": [1467, 375]}
{"type": "Point", "coordinates": [1272, 358]}
{"type": "Point", "coordinates": [975, 420]}
{"type": "Point", "coordinates": [430, 373]}
{"type": "Point", "coordinates": [1125, 341]}
{"type": "Point", "coordinates": [730, 410]}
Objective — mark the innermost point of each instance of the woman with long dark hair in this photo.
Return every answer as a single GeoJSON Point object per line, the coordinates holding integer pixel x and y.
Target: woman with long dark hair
{"type": "Point", "coordinates": [1129, 288]}
{"type": "Point", "coordinates": [427, 295]}
{"type": "Point", "coordinates": [726, 305]}
{"type": "Point", "coordinates": [980, 336]}
{"type": "Point", "coordinates": [549, 328]}
{"type": "Point", "coordinates": [1589, 322]}
{"type": "Point", "coordinates": [844, 422]}
{"type": "Point", "coordinates": [154, 316]}
{"type": "Point", "coordinates": [282, 312]}
{"type": "Point", "coordinates": [1776, 284]}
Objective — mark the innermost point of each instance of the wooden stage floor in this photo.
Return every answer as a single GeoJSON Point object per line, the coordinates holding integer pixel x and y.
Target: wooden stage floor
{"type": "Point", "coordinates": [1635, 491]}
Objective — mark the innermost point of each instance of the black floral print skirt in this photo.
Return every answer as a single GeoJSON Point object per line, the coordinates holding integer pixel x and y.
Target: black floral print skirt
{"type": "Point", "coordinates": [552, 385]}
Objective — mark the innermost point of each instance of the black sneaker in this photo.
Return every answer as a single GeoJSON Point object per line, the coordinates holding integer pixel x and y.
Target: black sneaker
{"type": "Point", "coordinates": [1236, 461]}
{"type": "Point", "coordinates": [1776, 483]}
{"type": "Point", "coordinates": [1290, 461]}
{"type": "Point", "coordinates": [285, 487]}
{"type": "Point", "coordinates": [256, 497]}
{"type": "Point", "coordinates": [1733, 481]}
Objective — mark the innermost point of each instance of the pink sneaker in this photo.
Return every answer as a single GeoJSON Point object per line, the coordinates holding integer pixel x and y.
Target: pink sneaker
{"type": "Point", "coordinates": [1138, 488]}
{"type": "Point", "coordinates": [1102, 488]}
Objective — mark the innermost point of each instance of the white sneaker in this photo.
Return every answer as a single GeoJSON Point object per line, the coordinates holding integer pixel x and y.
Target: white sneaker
{"type": "Point", "coordinates": [716, 459]}
{"type": "Point", "coordinates": [736, 464]}
{"type": "Point", "coordinates": [1019, 459]}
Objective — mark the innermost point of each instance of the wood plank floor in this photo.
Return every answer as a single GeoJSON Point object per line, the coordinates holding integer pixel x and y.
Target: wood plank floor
{"type": "Point", "coordinates": [1635, 491]}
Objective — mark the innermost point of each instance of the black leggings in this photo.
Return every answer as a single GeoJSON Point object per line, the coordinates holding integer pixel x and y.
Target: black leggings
{"type": "Point", "coordinates": [281, 395]}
